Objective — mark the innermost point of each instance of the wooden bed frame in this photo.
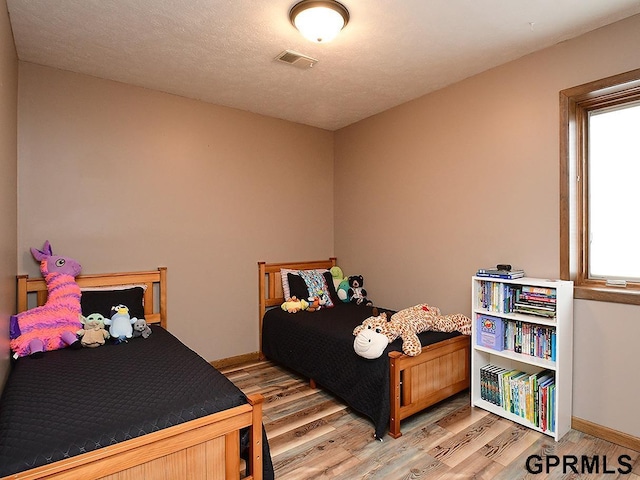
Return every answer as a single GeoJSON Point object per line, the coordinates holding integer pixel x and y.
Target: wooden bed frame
{"type": "Point", "coordinates": [207, 447]}
{"type": "Point", "coordinates": [441, 370]}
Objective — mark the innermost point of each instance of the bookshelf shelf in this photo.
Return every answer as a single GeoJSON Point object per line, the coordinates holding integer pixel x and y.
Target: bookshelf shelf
{"type": "Point", "coordinates": [508, 415]}
{"type": "Point", "coordinates": [520, 317]}
{"type": "Point", "coordinates": [519, 357]}
{"type": "Point", "coordinates": [512, 351]}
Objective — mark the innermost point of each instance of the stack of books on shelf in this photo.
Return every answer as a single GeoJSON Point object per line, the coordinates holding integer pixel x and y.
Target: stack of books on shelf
{"type": "Point", "coordinates": [530, 396]}
{"type": "Point", "coordinates": [536, 301]}
{"type": "Point", "coordinates": [500, 273]}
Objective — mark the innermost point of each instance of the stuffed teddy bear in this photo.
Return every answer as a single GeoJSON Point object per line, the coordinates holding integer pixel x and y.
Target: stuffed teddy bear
{"type": "Point", "coordinates": [141, 329]}
{"type": "Point", "coordinates": [120, 323]}
{"type": "Point", "coordinates": [376, 332]}
{"type": "Point", "coordinates": [93, 333]}
{"type": "Point", "coordinates": [53, 325]}
{"type": "Point", "coordinates": [293, 305]}
{"type": "Point", "coordinates": [356, 293]}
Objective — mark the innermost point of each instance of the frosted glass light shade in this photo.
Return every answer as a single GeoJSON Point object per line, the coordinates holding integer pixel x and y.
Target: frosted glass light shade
{"type": "Point", "coordinates": [319, 21]}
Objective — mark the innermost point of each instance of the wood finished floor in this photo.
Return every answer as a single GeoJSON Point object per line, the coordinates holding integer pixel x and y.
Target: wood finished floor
{"type": "Point", "coordinates": [313, 435]}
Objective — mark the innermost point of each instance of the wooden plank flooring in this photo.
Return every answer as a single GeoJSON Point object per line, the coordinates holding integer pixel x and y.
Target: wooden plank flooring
{"type": "Point", "coordinates": [313, 435]}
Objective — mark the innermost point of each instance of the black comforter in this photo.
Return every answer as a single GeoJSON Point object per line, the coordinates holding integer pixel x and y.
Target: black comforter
{"type": "Point", "coordinates": [319, 345]}
{"type": "Point", "coordinates": [74, 401]}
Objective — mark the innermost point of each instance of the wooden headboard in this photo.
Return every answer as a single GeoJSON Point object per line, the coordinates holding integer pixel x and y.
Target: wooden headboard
{"type": "Point", "coordinates": [270, 284]}
{"type": "Point", "coordinates": [154, 294]}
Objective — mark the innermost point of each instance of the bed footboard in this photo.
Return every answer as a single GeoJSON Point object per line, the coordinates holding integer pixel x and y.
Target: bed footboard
{"type": "Point", "coordinates": [441, 370]}
{"type": "Point", "coordinates": [208, 447]}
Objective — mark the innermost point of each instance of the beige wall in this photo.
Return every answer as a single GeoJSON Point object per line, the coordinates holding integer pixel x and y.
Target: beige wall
{"type": "Point", "coordinates": [8, 183]}
{"type": "Point", "coordinates": [467, 177]}
{"type": "Point", "coordinates": [125, 178]}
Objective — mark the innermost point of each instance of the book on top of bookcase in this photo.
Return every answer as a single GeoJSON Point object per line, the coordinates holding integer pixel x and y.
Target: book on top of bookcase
{"type": "Point", "coordinates": [499, 273]}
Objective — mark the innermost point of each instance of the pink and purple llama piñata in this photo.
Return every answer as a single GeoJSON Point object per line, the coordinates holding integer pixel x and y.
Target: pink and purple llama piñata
{"type": "Point", "coordinates": [53, 325]}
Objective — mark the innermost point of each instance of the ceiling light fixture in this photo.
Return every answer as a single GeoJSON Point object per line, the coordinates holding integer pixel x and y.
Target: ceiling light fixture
{"type": "Point", "coordinates": [319, 20]}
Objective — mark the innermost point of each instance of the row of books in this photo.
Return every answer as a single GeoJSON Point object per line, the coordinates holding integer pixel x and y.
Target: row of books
{"type": "Point", "coordinates": [497, 297]}
{"type": "Point", "coordinates": [511, 298]}
{"type": "Point", "coordinates": [530, 339]}
{"type": "Point", "coordinates": [519, 337]}
{"type": "Point", "coordinates": [530, 396]}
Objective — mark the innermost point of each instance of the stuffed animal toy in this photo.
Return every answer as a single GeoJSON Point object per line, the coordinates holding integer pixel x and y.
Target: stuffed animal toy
{"type": "Point", "coordinates": [341, 283]}
{"type": "Point", "coordinates": [141, 329]}
{"type": "Point", "coordinates": [316, 303]}
{"type": "Point", "coordinates": [93, 334]}
{"type": "Point", "coordinates": [120, 323]}
{"type": "Point", "coordinates": [53, 325]}
{"type": "Point", "coordinates": [356, 293]}
{"type": "Point", "coordinates": [376, 332]}
{"type": "Point", "coordinates": [370, 339]}
{"type": "Point", "coordinates": [320, 299]}
{"type": "Point", "coordinates": [293, 305]}
{"type": "Point", "coordinates": [337, 275]}
{"type": "Point", "coordinates": [343, 290]}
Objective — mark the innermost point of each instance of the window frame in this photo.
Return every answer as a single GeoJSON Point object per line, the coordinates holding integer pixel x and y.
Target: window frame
{"type": "Point", "coordinates": [575, 105]}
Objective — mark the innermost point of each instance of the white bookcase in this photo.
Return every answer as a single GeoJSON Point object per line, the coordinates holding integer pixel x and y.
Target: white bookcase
{"type": "Point", "coordinates": [494, 297]}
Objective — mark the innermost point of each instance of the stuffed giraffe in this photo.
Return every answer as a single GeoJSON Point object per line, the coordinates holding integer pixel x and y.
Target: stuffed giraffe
{"type": "Point", "coordinates": [376, 332]}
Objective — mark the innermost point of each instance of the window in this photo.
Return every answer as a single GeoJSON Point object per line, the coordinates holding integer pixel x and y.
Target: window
{"type": "Point", "coordinates": [600, 177]}
{"type": "Point", "coordinates": [613, 163]}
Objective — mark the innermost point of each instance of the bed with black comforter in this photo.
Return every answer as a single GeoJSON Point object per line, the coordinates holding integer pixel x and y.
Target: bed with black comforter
{"type": "Point", "coordinates": [319, 345]}
{"type": "Point", "coordinates": [74, 401]}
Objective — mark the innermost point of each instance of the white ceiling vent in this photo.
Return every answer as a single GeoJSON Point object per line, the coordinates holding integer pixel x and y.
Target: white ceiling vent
{"type": "Point", "coordinates": [296, 59]}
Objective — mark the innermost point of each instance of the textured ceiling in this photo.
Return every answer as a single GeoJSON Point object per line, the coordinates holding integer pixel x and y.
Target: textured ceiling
{"type": "Point", "coordinates": [222, 51]}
